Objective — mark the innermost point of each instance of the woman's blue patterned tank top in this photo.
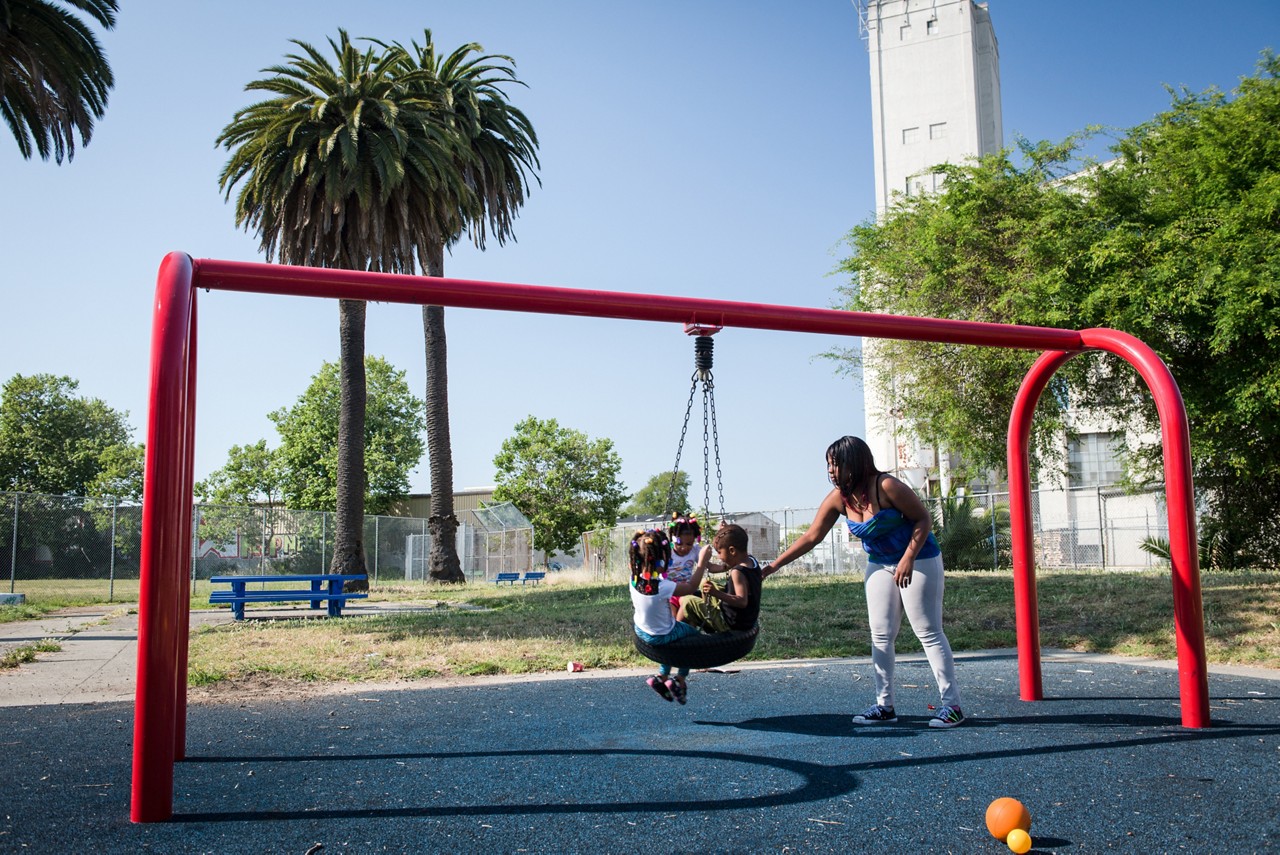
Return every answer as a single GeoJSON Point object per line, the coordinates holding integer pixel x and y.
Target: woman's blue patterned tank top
{"type": "Point", "coordinates": [885, 537]}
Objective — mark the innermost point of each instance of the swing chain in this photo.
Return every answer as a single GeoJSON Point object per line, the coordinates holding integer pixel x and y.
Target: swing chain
{"type": "Point", "coordinates": [715, 436]}
{"type": "Point", "coordinates": [710, 432]}
{"type": "Point", "coordinates": [684, 429]}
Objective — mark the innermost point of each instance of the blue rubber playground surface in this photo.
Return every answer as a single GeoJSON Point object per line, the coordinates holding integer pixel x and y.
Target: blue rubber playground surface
{"type": "Point", "coordinates": [762, 760]}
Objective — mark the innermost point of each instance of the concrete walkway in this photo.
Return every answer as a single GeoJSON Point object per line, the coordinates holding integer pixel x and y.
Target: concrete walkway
{"type": "Point", "coordinates": [98, 660]}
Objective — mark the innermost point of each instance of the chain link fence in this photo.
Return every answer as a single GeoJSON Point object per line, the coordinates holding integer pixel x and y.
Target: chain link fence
{"type": "Point", "coordinates": [91, 546]}
{"type": "Point", "coordinates": [491, 540]}
{"type": "Point", "coordinates": [1088, 528]}
{"type": "Point", "coordinates": [228, 540]}
{"type": "Point", "coordinates": [71, 545]}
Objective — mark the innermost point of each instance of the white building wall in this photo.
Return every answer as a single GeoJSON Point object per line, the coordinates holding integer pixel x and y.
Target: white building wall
{"type": "Point", "coordinates": [935, 98]}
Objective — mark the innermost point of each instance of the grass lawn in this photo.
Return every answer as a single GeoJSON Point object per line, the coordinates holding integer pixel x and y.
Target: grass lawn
{"type": "Point", "coordinates": [485, 629]}
{"type": "Point", "coordinates": [518, 630]}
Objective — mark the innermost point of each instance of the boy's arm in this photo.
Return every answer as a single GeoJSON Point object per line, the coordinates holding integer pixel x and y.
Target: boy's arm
{"type": "Point", "coordinates": [739, 600]}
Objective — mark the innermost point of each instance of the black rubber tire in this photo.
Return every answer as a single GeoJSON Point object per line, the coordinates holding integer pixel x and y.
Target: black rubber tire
{"type": "Point", "coordinates": [704, 650]}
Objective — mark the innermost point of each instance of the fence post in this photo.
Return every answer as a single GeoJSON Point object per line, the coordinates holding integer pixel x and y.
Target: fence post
{"type": "Point", "coordinates": [376, 520]}
{"type": "Point", "coordinates": [324, 519]}
{"type": "Point", "coordinates": [13, 553]}
{"type": "Point", "coordinates": [1102, 531]}
{"type": "Point", "coordinates": [111, 567]}
{"type": "Point", "coordinates": [995, 542]}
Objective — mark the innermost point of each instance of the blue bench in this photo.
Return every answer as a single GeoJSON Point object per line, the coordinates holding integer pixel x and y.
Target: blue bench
{"type": "Point", "coordinates": [508, 578]}
{"type": "Point", "coordinates": [534, 576]}
{"type": "Point", "coordinates": [322, 588]}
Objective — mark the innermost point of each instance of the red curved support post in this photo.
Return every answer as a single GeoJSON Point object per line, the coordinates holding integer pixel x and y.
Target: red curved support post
{"type": "Point", "coordinates": [184, 594]}
{"type": "Point", "coordinates": [166, 512]}
{"type": "Point", "coordinates": [1179, 497]}
{"type": "Point", "coordinates": [1025, 603]}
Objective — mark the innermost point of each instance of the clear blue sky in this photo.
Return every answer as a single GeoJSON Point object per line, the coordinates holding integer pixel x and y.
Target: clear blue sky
{"type": "Point", "coordinates": [716, 149]}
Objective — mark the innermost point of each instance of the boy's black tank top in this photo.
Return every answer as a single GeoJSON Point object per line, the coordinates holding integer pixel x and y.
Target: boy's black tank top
{"type": "Point", "coordinates": [744, 618]}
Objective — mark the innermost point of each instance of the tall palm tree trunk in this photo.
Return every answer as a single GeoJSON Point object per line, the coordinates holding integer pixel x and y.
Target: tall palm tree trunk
{"type": "Point", "coordinates": [348, 546]}
{"type": "Point", "coordinates": [442, 524]}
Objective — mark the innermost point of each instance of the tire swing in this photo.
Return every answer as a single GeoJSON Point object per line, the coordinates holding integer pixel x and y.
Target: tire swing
{"type": "Point", "coordinates": [704, 650]}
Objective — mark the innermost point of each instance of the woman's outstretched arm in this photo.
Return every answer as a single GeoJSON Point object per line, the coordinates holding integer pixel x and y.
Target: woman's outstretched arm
{"type": "Point", "coordinates": [830, 510]}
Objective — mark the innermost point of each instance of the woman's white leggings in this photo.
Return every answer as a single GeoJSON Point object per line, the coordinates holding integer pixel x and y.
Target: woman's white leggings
{"type": "Point", "coordinates": [922, 600]}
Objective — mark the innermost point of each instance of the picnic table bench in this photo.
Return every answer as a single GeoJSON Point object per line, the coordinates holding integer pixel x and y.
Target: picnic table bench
{"type": "Point", "coordinates": [533, 576]}
{"type": "Point", "coordinates": [321, 588]}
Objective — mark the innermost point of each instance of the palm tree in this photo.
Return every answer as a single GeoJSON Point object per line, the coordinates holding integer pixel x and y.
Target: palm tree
{"type": "Point", "coordinates": [971, 535]}
{"type": "Point", "coordinates": [331, 167]}
{"type": "Point", "coordinates": [496, 158]}
{"type": "Point", "coordinates": [54, 77]}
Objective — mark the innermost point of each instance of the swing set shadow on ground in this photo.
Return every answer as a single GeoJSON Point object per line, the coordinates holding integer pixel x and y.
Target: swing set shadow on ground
{"type": "Point", "coordinates": [764, 757]}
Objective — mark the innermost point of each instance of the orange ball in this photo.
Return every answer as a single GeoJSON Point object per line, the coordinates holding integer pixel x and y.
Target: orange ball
{"type": "Point", "coordinates": [1006, 814]}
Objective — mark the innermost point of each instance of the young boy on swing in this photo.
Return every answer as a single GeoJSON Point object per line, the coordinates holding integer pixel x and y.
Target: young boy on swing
{"type": "Point", "coordinates": [650, 596]}
{"type": "Point", "coordinates": [736, 606]}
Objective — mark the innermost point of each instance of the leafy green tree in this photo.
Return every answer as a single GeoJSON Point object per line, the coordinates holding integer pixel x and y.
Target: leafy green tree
{"type": "Point", "coordinates": [994, 245]}
{"type": "Point", "coordinates": [54, 441]}
{"type": "Point", "coordinates": [1189, 262]}
{"type": "Point", "coordinates": [308, 459]}
{"type": "Point", "coordinates": [494, 156]}
{"type": "Point", "coordinates": [54, 75]}
{"type": "Point", "coordinates": [660, 496]}
{"type": "Point", "coordinates": [335, 168]}
{"type": "Point", "coordinates": [562, 480]}
{"type": "Point", "coordinates": [1175, 241]}
{"type": "Point", "coordinates": [251, 475]}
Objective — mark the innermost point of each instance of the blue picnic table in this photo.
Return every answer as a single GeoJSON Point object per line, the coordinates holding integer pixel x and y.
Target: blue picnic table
{"type": "Point", "coordinates": [321, 588]}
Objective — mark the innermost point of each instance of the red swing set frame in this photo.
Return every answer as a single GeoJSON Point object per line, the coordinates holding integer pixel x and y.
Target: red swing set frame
{"type": "Point", "coordinates": [164, 594]}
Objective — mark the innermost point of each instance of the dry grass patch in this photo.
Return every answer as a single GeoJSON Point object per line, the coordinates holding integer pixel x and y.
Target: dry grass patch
{"type": "Point", "coordinates": [524, 630]}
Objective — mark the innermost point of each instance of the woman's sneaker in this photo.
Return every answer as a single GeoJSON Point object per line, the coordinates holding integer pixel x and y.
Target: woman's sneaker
{"type": "Point", "coordinates": [659, 685]}
{"type": "Point", "coordinates": [876, 715]}
{"type": "Point", "coordinates": [948, 716]}
{"type": "Point", "coordinates": [679, 690]}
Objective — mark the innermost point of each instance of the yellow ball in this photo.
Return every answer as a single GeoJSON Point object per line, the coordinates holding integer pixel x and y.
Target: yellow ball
{"type": "Point", "coordinates": [1006, 814]}
{"type": "Point", "coordinates": [1019, 841]}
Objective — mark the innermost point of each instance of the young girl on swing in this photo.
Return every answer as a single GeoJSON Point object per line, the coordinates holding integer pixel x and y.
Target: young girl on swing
{"type": "Point", "coordinates": [685, 535]}
{"type": "Point", "coordinates": [651, 594]}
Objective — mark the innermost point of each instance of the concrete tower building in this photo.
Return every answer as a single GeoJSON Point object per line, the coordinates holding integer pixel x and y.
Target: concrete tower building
{"type": "Point", "coordinates": [935, 98]}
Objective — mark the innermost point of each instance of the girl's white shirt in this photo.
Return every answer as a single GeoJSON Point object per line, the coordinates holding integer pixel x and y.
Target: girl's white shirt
{"type": "Point", "coordinates": [653, 613]}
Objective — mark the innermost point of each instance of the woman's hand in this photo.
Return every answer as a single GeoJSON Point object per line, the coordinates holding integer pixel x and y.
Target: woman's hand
{"type": "Point", "coordinates": [902, 573]}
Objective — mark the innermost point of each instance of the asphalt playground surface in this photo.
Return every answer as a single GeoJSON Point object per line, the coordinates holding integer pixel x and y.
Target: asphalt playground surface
{"type": "Point", "coordinates": [762, 759]}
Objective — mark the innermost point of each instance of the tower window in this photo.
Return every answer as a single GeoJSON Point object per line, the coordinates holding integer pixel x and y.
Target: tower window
{"type": "Point", "coordinates": [938, 130]}
{"type": "Point", "coordinates": [931, 27]}
{"type": "Point", "coordinates": [904, 32]}
{"type": "Point", "coordinates": [910, 135]}
{"type": "Point", "coordinates": [1093, 460]}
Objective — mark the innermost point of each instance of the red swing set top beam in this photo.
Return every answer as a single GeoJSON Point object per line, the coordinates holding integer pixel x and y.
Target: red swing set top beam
{"type": "Point", "coordinates": [164, 597]}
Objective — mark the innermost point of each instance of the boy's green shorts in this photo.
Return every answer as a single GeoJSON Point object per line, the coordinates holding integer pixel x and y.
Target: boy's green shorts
{"type": "Point", "coordinates": [704, 614]}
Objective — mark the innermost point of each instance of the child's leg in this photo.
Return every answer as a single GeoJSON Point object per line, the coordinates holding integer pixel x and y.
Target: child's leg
{"type": "Point", "coordinates": [884, 616]}
{"type": "Point", "coordinates": [923, 602]}
{"type": "Point", "coordinates": [678, 687]}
